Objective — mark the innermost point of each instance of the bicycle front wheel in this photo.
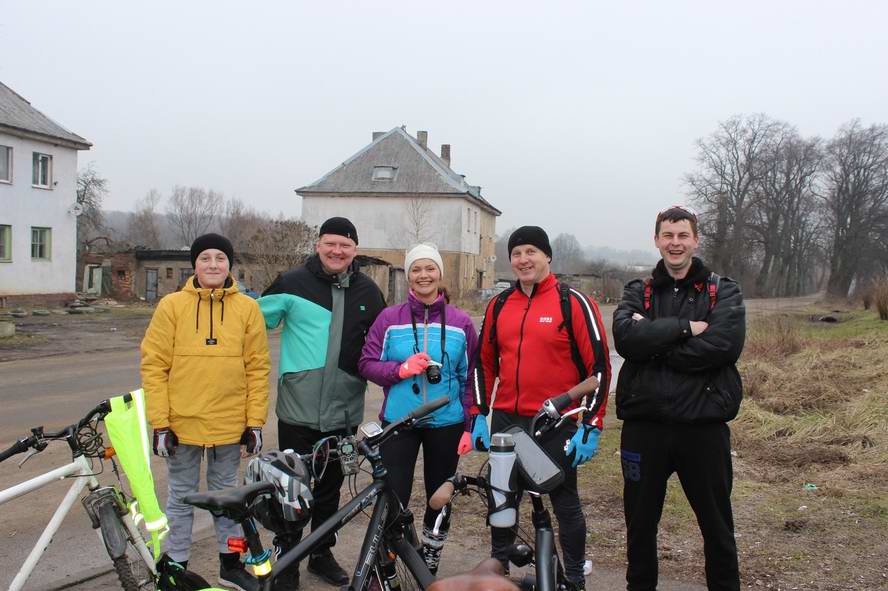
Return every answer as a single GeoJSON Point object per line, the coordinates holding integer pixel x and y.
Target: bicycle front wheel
{"type": "Point", "coordinates": [124, 545]}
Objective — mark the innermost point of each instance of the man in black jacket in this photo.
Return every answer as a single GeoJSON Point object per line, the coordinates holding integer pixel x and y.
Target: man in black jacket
{"type": "Point", "coordinates": [681, 332]}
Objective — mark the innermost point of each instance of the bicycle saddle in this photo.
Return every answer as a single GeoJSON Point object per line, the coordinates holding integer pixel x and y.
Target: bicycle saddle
{"type": "Point", "coordinates": [233, 503]}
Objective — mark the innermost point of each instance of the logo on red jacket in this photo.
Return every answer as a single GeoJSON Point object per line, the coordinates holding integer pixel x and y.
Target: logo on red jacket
{"type": "Point", "coordinates": [545, 320]}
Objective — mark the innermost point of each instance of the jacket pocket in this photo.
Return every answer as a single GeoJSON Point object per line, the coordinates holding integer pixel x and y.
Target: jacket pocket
{"type": "Point", "coordinates": [298, 399]}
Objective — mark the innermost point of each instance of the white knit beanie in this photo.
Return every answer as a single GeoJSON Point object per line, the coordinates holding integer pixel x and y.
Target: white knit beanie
{"type": "Point", "coordinates": [423, 251]}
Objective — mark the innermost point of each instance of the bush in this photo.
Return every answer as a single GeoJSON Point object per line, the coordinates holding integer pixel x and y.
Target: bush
{"type": "Point", "coordinates": [879, 292]}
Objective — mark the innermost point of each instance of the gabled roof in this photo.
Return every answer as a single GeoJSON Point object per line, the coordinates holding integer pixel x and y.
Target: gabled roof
{"type": "Point", "coordinates": [418, 170]}
{"type": "Point", "coordinates": [17, 114]}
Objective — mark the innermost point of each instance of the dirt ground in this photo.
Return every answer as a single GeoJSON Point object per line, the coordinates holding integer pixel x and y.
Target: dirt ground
{"type": "Point", "coordinates": [789, 537]}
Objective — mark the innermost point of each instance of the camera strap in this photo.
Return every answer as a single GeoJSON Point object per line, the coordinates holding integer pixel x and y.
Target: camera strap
{"type": "Point", "coordinates": [425, 337]}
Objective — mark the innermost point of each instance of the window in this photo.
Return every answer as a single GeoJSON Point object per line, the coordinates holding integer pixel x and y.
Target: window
{"type": "Point", "coordinates": [384, 173]}
{"type": "Point", "coordinates": [42, 176]}
{"type": "Point", "coordinates": [5, 164]}
{"type": "Point", "coordinates": [169, 272]}
{"type": "Point", "coordinates": [184, 274]}
{"type": "Point", "coordinates": [5, 243]}
{"type": "Point", "coordinates": [469, 220]}
{"type": "Point", "coordinates": [41, 244]}
{"type": "Point", "coordinates": [121, 275]}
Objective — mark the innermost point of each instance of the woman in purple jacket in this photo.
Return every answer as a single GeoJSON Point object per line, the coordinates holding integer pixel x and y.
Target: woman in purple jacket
{"type": "Point", "coordinates": [404, 348]}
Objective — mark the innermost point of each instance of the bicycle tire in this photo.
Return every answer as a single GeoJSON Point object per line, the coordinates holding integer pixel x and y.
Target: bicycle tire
{"type": "Point", "coordinates": [132, 572]}
{"type": "Point", "coordinates": [405, 577]}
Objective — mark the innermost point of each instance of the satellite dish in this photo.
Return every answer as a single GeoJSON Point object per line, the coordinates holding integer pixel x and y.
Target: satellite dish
{"type": "Point", "coordinates": [76, 210]}
{"type": "Point", "coordinates": [492, 258]}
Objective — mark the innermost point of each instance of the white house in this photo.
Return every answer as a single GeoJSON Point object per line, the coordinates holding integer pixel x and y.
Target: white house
{"type": "Point", "coordinates": [397, 192]}
{"type": "Point", "coordinates": [38, 190]}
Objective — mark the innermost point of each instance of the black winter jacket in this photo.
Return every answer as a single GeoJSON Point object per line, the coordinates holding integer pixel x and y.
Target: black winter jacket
{"type": "Point", "coordinates": [669, 375]}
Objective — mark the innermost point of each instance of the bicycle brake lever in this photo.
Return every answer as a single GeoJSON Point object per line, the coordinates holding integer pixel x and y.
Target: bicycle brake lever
{"type": "Point", "coordinates": [31, 454]}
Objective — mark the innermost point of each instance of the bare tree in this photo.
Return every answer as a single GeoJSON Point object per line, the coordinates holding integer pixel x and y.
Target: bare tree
{"type": "Point", "coordinates": [277, 245]}
{"type": "Point", "coordinates": [192, 210]}
{"type": "Point", "coordinates": [567, 254]}
{"type": "Point", "coordinates": [240, 223]}
{"type": "Point", "coordinates": [503, 264]}
{"type": "Point", "coordinates": [730, 164]}
{"type": "Point", "coordinates": [142, 227]}
{"type": "Point", "coordinates": [856, 198]}
{"type": "Point", "coordinates": [418, 222]}
{"type": "Point", "coordinates": [91, 191]}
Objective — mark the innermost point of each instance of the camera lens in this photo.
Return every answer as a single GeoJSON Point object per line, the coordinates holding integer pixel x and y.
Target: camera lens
{"type": "Point", "coordinates": [433, 374]}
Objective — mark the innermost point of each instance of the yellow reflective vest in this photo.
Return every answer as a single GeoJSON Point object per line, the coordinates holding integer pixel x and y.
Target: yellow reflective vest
{"type": "Point", "coordinates": [205, 365]}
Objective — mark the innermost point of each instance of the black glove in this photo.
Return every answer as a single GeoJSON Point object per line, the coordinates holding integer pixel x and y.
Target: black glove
{"type": "Point", "coordinates": [165, 442]}
{"type": "Point", "coordinates": [252, 439]}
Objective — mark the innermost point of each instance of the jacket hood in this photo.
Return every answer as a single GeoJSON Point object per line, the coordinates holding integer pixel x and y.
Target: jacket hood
{"type": "Point", "coordinates": [228, 289]}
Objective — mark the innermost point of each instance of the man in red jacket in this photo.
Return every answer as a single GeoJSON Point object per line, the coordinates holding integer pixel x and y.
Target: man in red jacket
{"type": "Point", "coordinates": [535, 355]}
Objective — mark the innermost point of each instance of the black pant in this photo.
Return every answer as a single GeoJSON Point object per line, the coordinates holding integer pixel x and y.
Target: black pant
{"type": "Point", "coordinates": [701, 456]}
{"type": "Point", "coordinates": [565, 498]}
{"type": "Point", "coordinates": [439, 461]}
{"type": "Point", "coordinates": [326, 491]}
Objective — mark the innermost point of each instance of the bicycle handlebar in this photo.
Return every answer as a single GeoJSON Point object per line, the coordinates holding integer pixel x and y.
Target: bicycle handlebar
{"type": "Point", "coordinates": [38, 438]}
{"type": "Point", "coordinates": [456, 484]}
{"type": "Point", "coordinates": [417, 414]}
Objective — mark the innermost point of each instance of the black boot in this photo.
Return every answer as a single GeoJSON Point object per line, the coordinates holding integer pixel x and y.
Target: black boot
{"type": "Point", "coordinates": [324, 565]}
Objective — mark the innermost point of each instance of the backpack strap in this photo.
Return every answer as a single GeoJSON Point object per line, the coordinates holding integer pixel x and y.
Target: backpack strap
{"type": "Point", "coordinates": [491, 336]}
{"type": "Point", "coordinates": [567, 318]}
{"type": "Point", "coordinates": [648, 290]}
{"type": "Point", "coordinates": [712, 285]}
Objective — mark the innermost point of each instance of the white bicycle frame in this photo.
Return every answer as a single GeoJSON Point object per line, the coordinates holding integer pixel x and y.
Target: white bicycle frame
{"type": "Point", "coordinates": [82, 472]}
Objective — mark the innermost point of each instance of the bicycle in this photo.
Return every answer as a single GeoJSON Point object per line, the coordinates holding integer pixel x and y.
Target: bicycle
{"type": "Point", "coordinates": [389, 558]}
{"type": "Point", "coordinates": [108, 507]}
{"type": "Point", "coordinates": [539, 474]}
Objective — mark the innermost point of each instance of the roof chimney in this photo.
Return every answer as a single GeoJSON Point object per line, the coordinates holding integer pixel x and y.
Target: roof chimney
{"type": "Point", "coordinates": [445, 153]}
{"type": "Point", "coordinates": [377, 135]}
{"type": "Point", "coordinates": [423, 138]}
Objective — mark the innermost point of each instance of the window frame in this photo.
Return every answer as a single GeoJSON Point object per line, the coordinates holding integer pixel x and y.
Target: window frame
{"type": "Point", "coordinates": [35, 160]}
{"type": "Point", "coordinates": [6, 242]}
{"type": "Point", "coordinates": [388, 179]}
{"type": "Point", "coordinates": [9, 151]}
{"type": "Point", "coordinates": [47, 245]}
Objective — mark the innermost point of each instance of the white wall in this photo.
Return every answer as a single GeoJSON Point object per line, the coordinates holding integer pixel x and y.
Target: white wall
{"type": "Point", "coordinates": [382, 221]}
{"type": "Point", "coordinates": [23, 206]}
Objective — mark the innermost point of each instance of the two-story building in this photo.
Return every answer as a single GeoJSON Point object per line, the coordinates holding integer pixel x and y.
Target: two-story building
{"type": "Point", "coordinates": [398, 192]}
{"type": "Point", "coordinates": [38, 196]}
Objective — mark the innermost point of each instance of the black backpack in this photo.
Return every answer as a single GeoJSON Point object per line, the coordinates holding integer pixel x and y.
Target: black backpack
{"type": "Point", "coordinates": [566, 322]}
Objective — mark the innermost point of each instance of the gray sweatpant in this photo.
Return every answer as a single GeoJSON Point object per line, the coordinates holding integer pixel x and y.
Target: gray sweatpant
{"type": "Point", "coordinates": [184, 478]}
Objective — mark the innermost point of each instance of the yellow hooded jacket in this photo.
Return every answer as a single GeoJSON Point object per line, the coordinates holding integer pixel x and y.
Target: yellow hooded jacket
{"type": "Point", "coordinates": [205, 365]}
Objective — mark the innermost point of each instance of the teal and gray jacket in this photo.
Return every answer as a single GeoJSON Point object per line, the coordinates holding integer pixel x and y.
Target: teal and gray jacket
{"type": "Point", "coordinates": [326, 318]}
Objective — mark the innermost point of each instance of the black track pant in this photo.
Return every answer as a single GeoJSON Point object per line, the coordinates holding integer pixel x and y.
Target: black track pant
{"type": "Point", "coordinates": [326, 491]}
{"type": "Point", "coordinates": [565, 498]}
{"type": "Point", "coordinates": [701, 456]}
{"type": "Point", "coordinates": [439, 461]}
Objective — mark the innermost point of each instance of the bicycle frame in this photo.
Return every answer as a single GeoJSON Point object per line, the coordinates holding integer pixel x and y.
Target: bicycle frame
{"type": "Point", "coordinates": [82, 472]}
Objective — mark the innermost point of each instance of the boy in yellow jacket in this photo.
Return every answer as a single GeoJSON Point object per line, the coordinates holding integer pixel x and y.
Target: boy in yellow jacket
{"type": "Point", "coordinates": [205, 372]}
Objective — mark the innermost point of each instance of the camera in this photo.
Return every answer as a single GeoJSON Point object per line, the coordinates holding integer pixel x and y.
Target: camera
{"type": "Point", "coordinates": [433, 372]}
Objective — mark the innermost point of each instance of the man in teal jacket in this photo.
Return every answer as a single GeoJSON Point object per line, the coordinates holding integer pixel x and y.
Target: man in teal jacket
{"type": "Point", "coordinates": [327, 307]}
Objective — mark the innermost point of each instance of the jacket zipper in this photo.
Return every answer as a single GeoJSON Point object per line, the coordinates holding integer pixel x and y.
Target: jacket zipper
{"type": "Point", "coordinates": [425, 346]}
{"type": "Point", "coordinates": [520, 342]}
{"type": "Point", "coordinates": [212, 294]}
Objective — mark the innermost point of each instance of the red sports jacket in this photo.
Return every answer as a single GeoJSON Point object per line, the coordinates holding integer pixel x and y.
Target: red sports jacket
{"type": "Point", "coordinates": [535, 360]}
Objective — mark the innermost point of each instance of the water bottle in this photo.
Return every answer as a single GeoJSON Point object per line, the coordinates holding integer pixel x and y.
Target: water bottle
{"type": "Point", "coordinates": [501, 475]}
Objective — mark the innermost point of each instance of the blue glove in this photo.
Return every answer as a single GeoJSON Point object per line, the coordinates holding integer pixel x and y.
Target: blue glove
{"type": "Point", "coordinates": [583, 444]}
{"type": "Point", "coordinates": [480, 434]}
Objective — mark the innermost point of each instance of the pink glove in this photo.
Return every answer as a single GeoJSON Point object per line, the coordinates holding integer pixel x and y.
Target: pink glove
{"type": "Point", "coordinates": [415, 365]}
{"type": "Point", "coordinates": [465, 444]}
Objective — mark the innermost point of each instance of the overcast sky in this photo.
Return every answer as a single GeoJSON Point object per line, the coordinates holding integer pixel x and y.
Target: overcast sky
{"type": "Point", "coordinates": [580, 117]}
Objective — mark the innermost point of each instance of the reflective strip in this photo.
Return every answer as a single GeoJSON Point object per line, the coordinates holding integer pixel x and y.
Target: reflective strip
{"type": "Point", "coordinates": [139, 398]}
{"type": "Point", "coordinates": [592, 321]}
{"type": "Point", "coordinates": [262, 569]}
{"type": "Point", "coordinates": [156, 524]}
{"type": "Point", "coordinates": [134, 511]}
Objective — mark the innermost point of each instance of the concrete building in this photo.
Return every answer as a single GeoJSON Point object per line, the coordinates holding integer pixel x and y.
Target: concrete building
{"type": "Point", "coordinates": [38, 192]}
{"type": "Point", "coordinates": [399, 192]}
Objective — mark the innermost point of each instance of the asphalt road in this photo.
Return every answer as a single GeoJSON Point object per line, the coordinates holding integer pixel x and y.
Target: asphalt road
{"type": "Point", "coordinates": [54, 391]}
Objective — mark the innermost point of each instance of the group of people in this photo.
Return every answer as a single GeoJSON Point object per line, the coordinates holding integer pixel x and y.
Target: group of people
{"type": "Point", "coordinates": [205, 374]}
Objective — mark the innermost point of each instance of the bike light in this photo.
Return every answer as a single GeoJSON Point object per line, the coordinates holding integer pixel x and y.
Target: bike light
{"type": "Point", "coordinates": [237, 545]}
{"type": "Point", "coordinates": [261, 570]}
{"type": "Point", "coordinates": [109, 453]}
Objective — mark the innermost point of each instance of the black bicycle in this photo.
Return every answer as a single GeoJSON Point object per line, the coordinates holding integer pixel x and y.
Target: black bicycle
{"type": "Point", "coordinates": [539, 474]}
{"type": "Point", "coordinates": [390, 557]}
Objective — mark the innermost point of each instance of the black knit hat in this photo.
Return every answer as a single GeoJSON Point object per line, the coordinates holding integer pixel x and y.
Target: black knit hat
{"type": "Point", "coordinates": [340, 227]}
{"type": "Point", "coordinates": [202, 243]}
{"type": "Point", "coordinates": [533, 235]}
